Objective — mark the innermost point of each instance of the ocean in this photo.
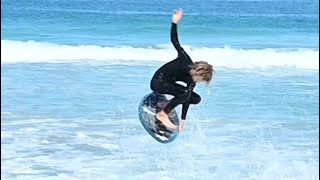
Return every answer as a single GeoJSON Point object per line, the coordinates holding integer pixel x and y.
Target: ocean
{"type": "Point", "coordinates": [73, 73]}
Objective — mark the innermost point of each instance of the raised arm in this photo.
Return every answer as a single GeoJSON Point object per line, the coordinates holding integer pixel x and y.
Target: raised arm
{"type": "Point", "coordinates": [176, 17]}
{"type": "Point", "coordinates": [174, 38]}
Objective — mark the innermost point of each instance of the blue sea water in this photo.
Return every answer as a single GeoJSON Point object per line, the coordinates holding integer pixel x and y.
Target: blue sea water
{"type": "Point", "coordinates": [74, 71]}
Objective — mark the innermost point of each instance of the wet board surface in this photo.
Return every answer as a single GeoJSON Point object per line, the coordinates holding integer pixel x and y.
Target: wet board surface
{"type": "Point", "coordinates": [148, 109]}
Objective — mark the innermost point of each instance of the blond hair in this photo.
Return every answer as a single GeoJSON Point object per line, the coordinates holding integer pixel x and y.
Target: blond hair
{"type": "Point", "coordinates": [202, 70]}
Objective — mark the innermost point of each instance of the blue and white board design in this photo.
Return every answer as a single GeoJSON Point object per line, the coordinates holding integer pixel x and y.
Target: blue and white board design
{"type": "Point", "coordinates": [148, 109]}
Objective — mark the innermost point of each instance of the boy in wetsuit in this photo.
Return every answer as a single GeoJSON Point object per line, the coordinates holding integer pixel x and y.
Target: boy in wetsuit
{"type": "Point", "coordinates": [180, 69]}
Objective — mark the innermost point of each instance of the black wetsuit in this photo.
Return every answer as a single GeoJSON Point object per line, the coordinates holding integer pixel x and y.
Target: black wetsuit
{"type": "Point", "coordinates": [164, 79]}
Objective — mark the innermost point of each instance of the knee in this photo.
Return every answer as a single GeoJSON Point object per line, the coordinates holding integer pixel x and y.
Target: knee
{"type": "Point", "coordinates": [153, 85]}
{"type": "Point", "coordinates": [195, 99]}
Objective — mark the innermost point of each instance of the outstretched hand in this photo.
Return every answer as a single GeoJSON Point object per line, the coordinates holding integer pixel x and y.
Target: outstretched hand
{"type": "Point", "coordinates": [181, 126]}
{"type": "Point", "coordinates": [177, 15]}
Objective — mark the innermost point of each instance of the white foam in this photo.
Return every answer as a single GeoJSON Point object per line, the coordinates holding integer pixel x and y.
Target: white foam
{"type": "Point", "coordinates": [82, 136]}
{"type": "Point", "coordinates": [30, 129]}
{"type": "Point", "coordinates": [33, 52]}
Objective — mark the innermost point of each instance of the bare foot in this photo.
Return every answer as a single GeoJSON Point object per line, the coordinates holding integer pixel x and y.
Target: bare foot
{"type": "Point", "coordinates": [163, 117]}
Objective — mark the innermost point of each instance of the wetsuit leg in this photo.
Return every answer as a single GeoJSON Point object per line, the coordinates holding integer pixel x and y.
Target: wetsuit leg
{"type": "Point", "coordinates": [194, 98]}
{"type": "Point", "coordinates": [179, 92]}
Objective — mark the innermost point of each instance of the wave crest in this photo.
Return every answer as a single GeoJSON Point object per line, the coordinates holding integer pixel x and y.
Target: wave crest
{"type": "Point", "coordinates": [33, 52]}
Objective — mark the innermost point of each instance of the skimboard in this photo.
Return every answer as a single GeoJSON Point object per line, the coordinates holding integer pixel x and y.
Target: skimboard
{"type": "Point", "coordinates": [148, 108]}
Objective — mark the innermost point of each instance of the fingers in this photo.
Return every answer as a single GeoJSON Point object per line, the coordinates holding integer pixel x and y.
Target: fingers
{"type": "Point", "coordinates": [181, 128]}
{"type": "Point", "coordinates": [177, 10]}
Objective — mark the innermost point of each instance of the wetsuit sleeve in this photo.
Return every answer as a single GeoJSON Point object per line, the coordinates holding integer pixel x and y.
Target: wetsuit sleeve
{"type": "Point", "coordinates": [185, 106]}
{"type": "Point", "coordinates": [175, 42]}
{"type": "Point", "coordinates": [174, 38]}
